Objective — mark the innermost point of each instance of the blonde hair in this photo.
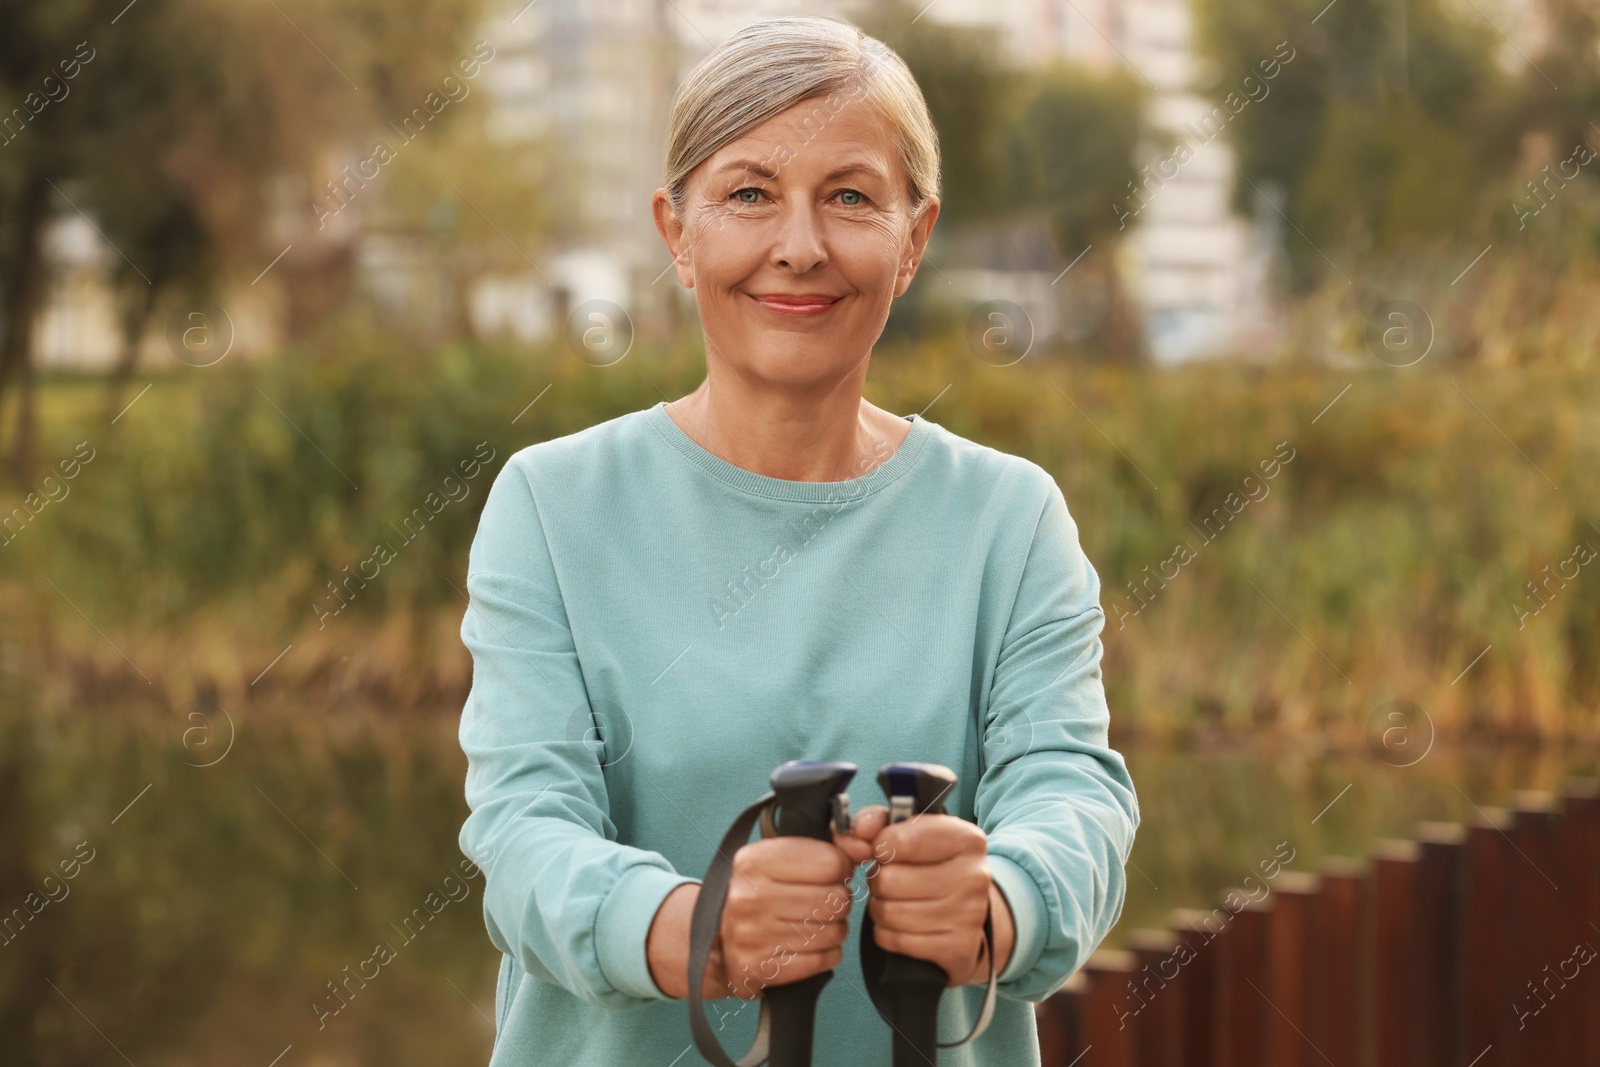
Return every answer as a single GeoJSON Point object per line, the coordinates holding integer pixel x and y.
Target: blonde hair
{"type": "Point", "coordinates": [769, 67]}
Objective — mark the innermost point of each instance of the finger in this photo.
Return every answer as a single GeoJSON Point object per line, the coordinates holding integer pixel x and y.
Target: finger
{"type": "Point", "coordinates": [928, 916]}
{"type": "Point", "coordinates": [931, 839]}
{"type": "Point", "coordinates": [787, 901]}
{"type": "Point", "coordinates": [957, 957]}
{"type": "Point", "coordinates": [930, 947]}
{"type": "Point", "coordinates": [810, 936]}
{"type": "Point", "coordinates": [855, 849]}
{"type": "Point", "coordinates": [749, 980]}
{"type": "Point", "coordinates": [794, 859]}
{"type": "Point", "coordinates": [954, 878]}
{"type": "Point", "coordinates": [778, 940]}
{"type": "Point", "coordinates": [870, 821]}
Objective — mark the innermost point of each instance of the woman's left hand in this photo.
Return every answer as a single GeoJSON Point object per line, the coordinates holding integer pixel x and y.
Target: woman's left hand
{"type": "Point", "coordinates": [930, 889]}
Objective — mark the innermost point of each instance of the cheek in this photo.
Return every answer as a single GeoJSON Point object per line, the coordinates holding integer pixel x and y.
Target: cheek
{"type": "Point", "coordinates": [868, 254]}
{"type": "Point", "coordinates": [726, 249]}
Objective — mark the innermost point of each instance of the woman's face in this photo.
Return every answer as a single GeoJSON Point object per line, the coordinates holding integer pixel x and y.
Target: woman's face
{"type": "Point", "coordinates": [795, 238]}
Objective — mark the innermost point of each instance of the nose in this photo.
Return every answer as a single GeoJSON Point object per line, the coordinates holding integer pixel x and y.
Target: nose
{"type": "Point", "coordinates": [799, 245]}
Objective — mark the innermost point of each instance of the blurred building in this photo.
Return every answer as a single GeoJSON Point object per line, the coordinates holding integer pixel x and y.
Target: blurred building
{"type": "Point", "coordinates": [596, 82]}
{"type": "Point", "coordinates": [591, 83]}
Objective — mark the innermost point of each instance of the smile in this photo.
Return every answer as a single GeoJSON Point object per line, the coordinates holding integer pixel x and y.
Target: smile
{"type": "Point", "coordinates": [799, 305]}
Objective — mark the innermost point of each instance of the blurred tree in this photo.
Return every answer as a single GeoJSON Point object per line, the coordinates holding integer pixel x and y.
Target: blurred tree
{"type": "Point", "coordinates": [467, 198]}
{"type": "Point", "coordinates": [165, 121]}
{"type": "Point", "coordinates": [971, 92]}
{"type": "Point", "coordinates": [1053, 146]}
{"type": "Point", "coordinates": [1071, 153]}
{"type": "Point", "coordinates": [1391, 123]}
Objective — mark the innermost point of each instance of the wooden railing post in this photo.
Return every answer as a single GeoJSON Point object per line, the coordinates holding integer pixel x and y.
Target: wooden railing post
{"type": "Point", "coordinates": [1108, 1041]}
{"type": "Point", "coordinates": [1293, 898]}
{"type": "Point", "coordinates": [1579, 844]}
{"type": "Point", "coordinates": [1197, 982]}
{"type": "Point", "coordinates": [1395, 971]}
{"type": "Point", "coordinates": [1535, 910]}
{"type": "Point", "coordinates": [1060, 1022]}
{"type": "Point", "coordinates": [1242, 998]}
{"type": "Point", "coordinates": [1438, 997]}
{"type": "Point", "coordinates": [1486, 985]}
{"type": "Point", "coordinates": [1157, 1036]}
{"type": "Point", "coordinates": [1334, 1021]}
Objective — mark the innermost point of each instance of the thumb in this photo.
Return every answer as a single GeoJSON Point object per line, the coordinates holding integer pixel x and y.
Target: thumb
{"type": "Point", "coordinates": [870, 821]}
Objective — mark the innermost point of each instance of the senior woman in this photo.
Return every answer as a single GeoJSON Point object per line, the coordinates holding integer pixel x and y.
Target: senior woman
{"type": "Point", "coordinates": [667, 605]}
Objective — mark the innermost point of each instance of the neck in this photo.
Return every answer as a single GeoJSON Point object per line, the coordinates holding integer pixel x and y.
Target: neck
{"type": "Point", "coordinates": [833, 436]}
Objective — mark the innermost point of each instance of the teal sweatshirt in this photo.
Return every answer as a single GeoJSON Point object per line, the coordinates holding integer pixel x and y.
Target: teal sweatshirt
{"type": "Point", "coordinates": [654, 629]}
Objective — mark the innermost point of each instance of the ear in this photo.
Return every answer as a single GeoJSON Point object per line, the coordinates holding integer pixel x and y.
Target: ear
{"type": "Point", "coordinates": [921, 230]}
{"type": "Point", "coordinates": [670, 226]}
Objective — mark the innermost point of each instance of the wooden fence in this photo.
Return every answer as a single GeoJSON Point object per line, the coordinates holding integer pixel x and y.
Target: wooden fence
{"type": "Point", "coordinates": [1471, 946]}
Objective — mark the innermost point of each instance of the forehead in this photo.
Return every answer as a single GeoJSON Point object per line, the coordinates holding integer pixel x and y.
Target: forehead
{"type": "Point", "coordinates": [813, 138]}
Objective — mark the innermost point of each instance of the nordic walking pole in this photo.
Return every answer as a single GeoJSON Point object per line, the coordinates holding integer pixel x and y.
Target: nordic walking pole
{"type": "Point", "coordinates": [807, 800]}
{"type": "Point", "coordinates": [806, 807]}
{"type": "Point", "coordinates": [906, 990]}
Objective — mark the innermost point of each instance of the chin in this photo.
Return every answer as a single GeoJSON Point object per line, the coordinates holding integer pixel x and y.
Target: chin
{"type": "Point", "coordinates": [784, 358]}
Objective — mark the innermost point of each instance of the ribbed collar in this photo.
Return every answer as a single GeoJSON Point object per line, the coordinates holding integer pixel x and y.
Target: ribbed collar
{"type": "Point", "coordinates": [782, 488]}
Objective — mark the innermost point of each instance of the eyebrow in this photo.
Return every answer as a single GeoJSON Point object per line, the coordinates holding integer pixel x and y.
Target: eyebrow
{"type": "Point", "coordinates": [838, 172]}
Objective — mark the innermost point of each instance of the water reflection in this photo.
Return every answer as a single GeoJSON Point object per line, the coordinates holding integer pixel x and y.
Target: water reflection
{"type": "Point", "coordinates": [282, 884]}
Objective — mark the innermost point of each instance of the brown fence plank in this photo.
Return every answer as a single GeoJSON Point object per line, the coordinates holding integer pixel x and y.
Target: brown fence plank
{"type": "Point", "coordinates": [1486, 987]}
{"type": "Point", "coordinates": [1060, 1022]}
{"type": "Point", "coordinates": [1107, 1041]}
{"type": "Point", "coordinates": [1579, 846]}
{"type": "Point", "coordinates": [1289, 969]}
{"type": "Point", "coordinates": [1157, 1030]}
{"type": "Point", "coordinates": [1197, 983]}
{"type": "Point", "coordinates": [1334, 1023]}
{"type": "Point", "coordinates": [1438, 997]}
{"type": "Point", "coordinates": [1536, 900]}
{"type": "Point", "coordinates": [1394, 987]}
{"type": "Point", "coordinates": [1243, 1001]}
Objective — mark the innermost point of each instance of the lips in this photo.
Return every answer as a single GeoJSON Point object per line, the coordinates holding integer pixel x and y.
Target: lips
{"type": "Point", "coordinates": [796, 303]}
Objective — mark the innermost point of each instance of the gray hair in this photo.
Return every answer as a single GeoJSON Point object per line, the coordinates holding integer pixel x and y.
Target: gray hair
{"type": "Point", "coordinates": [769, 67]}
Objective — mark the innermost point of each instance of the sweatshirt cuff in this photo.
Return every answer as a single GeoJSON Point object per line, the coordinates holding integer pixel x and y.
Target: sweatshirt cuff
{"type": "Point", "coordinates": [622, 928]}
{"type": "Point", "coordinates": [1027, 915]}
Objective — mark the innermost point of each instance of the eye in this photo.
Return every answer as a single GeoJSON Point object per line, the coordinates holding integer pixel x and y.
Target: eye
{"type": "Point", "coordinates": [753, 198]}
{"type": "Point", "coordinates": [845, 196]}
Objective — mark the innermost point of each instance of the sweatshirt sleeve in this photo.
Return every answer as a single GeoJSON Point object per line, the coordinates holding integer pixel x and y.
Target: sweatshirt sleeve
{"type": "Point", "coordinates": [1055, 800]}
{"type": "Point", "coordinates": [561, 895]}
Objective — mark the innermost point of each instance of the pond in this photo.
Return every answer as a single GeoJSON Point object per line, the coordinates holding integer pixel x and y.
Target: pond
{"type": "Point", "coordinates": [207, 879]}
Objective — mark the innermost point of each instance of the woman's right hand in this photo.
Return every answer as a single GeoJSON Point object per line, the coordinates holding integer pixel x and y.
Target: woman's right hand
{"type": "Point", "coordinates": [787, 912]}
{"type": "Point", "coordinates": [786, 916]}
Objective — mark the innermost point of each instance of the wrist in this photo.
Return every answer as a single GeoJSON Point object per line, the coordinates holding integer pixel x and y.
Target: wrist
{"type": "Point", "coordinates": [1005, 933]}
{"type": "Point", "coordinates": [667, 944]}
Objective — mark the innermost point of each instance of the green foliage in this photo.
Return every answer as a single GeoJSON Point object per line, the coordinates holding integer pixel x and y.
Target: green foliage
{"type": "Point", "coordinates": [270, 481]}
{"type": "Point", "coordinates": [1398, 540]}
{"type": "Point", "coordinates": [1395, 124]}
{"type": "Point", "coordinates": [970, 88]}
{"type": "Point", "coordinates": [1072, 151]}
